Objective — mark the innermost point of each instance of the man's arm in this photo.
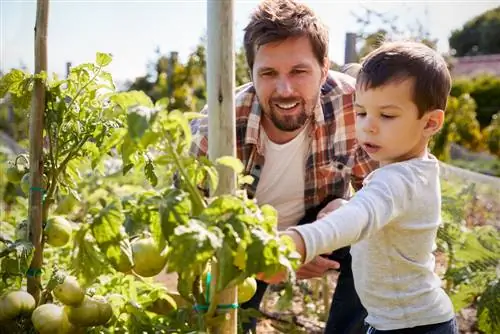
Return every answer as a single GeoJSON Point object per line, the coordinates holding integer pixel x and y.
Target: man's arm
{"type": "Point", "coordinates": [199, 131]}
{"type": "Point", "coordinates": [363, 165]}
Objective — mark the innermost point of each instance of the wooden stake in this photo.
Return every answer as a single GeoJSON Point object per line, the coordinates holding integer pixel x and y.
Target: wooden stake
{"type": "Point", "coordinates": [222, 132]}
{"type": "Point", "coordinates": [36, 148]}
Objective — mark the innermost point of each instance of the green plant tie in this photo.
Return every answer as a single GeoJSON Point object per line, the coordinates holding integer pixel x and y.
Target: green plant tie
{"type": "Point", "coordinates": [40, 190]}
{"type": "Point", "coordinates": [199, 307]}
{"type": "Point", "coordinates": [34, 272]}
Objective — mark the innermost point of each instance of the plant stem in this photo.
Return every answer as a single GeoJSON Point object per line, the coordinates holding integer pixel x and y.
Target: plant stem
{"type": "Point", "coordinates": [198, 203]}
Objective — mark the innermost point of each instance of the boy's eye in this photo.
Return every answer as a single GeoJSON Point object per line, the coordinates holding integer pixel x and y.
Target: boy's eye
{"type": "Point", "coordinates": [388, 116]}
{"type": "Point", "coordinates": [360, 113]}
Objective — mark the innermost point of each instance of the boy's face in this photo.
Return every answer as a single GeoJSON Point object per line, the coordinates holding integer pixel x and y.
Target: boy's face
{"type": "Point", "coordinates": [387, 123]}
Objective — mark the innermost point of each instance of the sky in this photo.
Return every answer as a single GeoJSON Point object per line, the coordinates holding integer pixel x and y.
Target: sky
{"type": "Point", "coordinates": [132, 30]}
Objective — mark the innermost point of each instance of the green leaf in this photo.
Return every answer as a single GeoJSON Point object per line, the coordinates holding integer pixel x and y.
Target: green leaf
{"type": "Point", "coordinates": [488, 308]}
{"type": "Point", "coordinates": [175, 210]}
{"type": "Point", "coordinates": [195, 243]}
{"type": "Point", "coordinates": [107, 228]}
{"type": "Point", "coordinates": [149, 171]}
{"type": "Point", "coordinates": [127, 100]}
{"type": "Point", "coordinates": [139, 120]}
{"type": "Point", "coordinates": [228, 272]}
{"type": "Point", "coordinates": [231, 162]}
{"type": "Point", "coordinates": [103, 59]}
{"type": "Point", "coordinates": [128, 149]}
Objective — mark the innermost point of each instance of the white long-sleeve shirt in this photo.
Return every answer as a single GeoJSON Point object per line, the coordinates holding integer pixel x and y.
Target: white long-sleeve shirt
{"type": "Point", "coordinates": [391, 224]}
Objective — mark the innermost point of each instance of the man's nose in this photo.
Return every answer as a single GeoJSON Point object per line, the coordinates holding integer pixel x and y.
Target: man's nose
{"type": "Point", "coordinates": [284, 87]}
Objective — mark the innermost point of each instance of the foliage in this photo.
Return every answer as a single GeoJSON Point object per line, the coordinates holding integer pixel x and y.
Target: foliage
{"type": "Point", "coordinates": [478, 36]}
{"type": "Point", "coordinates": [485, 90]}
{"type": "Point", "coordinates": [491, 135]}
{"type": "Point", "coordinates": [183, 86]}
{"type": "Point", "coordinates": [460, 126]}
{"type": "Point", "coordinates": [483, 166]}
{"type": "Point", "coordinates": [111, 159]}
{"type": "Point", "coordinates": [472, 256]}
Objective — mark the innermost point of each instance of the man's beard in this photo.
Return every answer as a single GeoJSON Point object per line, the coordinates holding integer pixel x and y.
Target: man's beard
{"type": "Point", "coordinates": [288, 123]}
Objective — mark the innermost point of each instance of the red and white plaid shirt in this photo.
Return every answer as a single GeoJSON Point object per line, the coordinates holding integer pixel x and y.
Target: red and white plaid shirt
{"type": "Point", "coordinates": [335, 160]}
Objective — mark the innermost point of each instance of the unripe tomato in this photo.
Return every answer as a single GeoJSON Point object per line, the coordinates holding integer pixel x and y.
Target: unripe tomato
{"type": "Point", "coordinates": [69, 292]}
{"type": "Point", "coordinates": [58, 231]}
{"type": "Point", "coordinates": [149, 260]}
{"type": "Point", "coordinates": [246, 290]}
{"type": "Point", "coordinates": [50, 319]}
{"type": "Point", "coordinates": [25, 183]}
{"type": "Point", "coordinates": [14, 174]}
{"type": "Point", "coordinates": [15, 303]}
{"type": "Point", "coordinates": [93, 311]}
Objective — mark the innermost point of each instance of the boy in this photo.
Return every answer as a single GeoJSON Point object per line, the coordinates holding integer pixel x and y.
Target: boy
{"type": "Point", "coordinates": [391, 223]}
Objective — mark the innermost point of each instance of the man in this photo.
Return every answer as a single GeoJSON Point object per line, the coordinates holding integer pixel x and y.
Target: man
{"type": "Point", "coordinates": [295, 136]}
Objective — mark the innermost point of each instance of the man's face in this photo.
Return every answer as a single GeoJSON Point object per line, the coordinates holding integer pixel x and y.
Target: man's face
{"type": "Point", "coordinates": [287, 79]}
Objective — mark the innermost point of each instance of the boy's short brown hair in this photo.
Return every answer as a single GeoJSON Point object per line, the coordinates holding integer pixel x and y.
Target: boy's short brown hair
{"type": "Point", "coordinates": [398, 61]}
{"type": "Point", "coordinates": [277, 20]}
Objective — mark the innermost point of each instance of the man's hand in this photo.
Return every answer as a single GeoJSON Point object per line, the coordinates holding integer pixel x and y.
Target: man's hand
{"type": "Point", "coordinates": [332, 206]}
{"type": "Point", "coordinates": [316, 268]}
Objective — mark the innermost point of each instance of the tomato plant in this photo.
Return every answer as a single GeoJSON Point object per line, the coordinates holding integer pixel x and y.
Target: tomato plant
{"type": "Point", "coordinates": [121, 204]}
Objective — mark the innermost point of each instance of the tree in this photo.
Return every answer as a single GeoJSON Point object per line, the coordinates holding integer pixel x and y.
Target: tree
{"type": "Point", "coordinates": [485, 90]}
{"type": "Point", "coordinates": [389, 28]}
{"type": "Point", "coordinates": [491, 135]}
{"type": "Point", "coordinates": [183, 86]}
{"type": "Point", "coordinates": [460, 126]}
{"type": "Point", "coordinates": [478, 36]}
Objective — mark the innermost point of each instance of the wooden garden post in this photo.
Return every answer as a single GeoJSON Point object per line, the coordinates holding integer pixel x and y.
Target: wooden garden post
{"type": "Point", "coordinates": [222, 132]}
{"type": "Point", "coordinates": [36, 147]}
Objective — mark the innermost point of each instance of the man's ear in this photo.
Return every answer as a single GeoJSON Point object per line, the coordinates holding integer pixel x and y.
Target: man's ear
{"type": "Point", "coordinates": [433, 122]}
{"type": "Point", "coordinates": [324, 69]}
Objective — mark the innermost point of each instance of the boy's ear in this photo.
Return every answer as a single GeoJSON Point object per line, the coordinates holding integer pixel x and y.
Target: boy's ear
{"type": "Point", "coordinates": [433, 122]}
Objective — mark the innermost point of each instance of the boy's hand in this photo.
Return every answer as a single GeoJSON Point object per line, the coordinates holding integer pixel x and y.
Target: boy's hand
{"type": "Point", "coordinates": [299, 248]}
{"type": "Point", "coordinates": [275, 279]}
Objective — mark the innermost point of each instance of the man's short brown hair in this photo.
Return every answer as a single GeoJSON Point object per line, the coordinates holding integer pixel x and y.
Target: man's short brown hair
{"type": "Point", "coordinates": [398, 61]}
{"type": "Point", "coordinates": [277, 20]}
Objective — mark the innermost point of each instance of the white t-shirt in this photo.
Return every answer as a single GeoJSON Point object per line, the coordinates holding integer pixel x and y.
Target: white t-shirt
{"type": "Point", "coordinates": [281, 182]}
{"type": "Point", "coordinates": [391, 224]}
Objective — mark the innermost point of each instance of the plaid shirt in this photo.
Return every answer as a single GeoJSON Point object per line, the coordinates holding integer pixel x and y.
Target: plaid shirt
{"type": "Point", "coordinates": [335, 160]}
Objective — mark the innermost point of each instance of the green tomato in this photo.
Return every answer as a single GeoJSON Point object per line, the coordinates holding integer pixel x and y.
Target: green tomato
{"type": "Point", "coordinates": [148, 259]}
{"type": "Point", "coordinates": [50, 319]}
{"type": "Point", "coordinates": [246, 290]}
{"type": "Point", "coordinates": [15, 303]}
{"type": "Point", "coordinates": [93, 311]}
{"type": "Point", "coordinates": [14, 174]}
{"type": "Point", "coordinates": [25, 183]}
{"type": "Point", "coordinates": [58, 231]}
{"type": "Point", "coordinates": [69, 292]}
